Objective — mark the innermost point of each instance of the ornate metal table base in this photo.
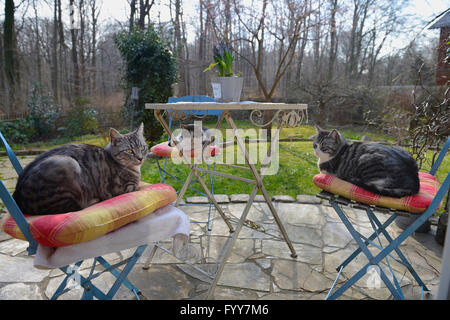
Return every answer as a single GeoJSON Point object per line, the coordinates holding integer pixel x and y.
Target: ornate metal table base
{"type": "Point", "coordinates": [285, 118]}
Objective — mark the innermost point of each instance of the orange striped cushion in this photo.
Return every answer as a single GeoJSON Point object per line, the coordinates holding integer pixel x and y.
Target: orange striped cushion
{"type": "Point", "coordinates": [74, 227]}
{"type": "Point", "coordinates": [417, 203]}
{"type": "Point", "coordinates": [164, 150]}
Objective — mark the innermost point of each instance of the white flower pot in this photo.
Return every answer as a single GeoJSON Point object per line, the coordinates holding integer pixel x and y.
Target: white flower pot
{"type": "Point", "coordinates": [227, 89]}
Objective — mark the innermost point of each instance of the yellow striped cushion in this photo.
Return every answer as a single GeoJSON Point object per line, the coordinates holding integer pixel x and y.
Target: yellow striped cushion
{"type": "Point", "coordinates": [74, 227]}
{"type": "Point", "coordinates": [417, 203]}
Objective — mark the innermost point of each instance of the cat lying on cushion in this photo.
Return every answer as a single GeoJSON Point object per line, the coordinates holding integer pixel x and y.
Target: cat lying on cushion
{"type": "Point", "coordinates": [75, 176]}
{"type": "Point", "coordinates": [383, 170]}
{"type": "Point", "coordinates": [190, 129]}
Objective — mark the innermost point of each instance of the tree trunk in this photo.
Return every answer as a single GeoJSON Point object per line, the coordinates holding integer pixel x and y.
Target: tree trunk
{"type": "Point", "coordinates": [37, 44]}
{"type": "Point", "coordinates": [82, 49]}
{"type": "Point", "coordinates": [54, 73]}
{"type": "Point", "coordinates": [144, 11]}
{"type": "Point", "coordinates": [11, 62]}
{"type": "Point", "coordinates": [62, 48]}
{"type": "Point", "coordinates": [132, 13]}
{"type": "Point", "coordinates": [202, 50]}
{"type": "Point", "coordinates": [333, 40]}
{"type": "Point", "coordinates": [4, 102]}
{"type": "Point", "coordinates": [179, 50]}
{"type": "Point", "coordinates": [187, 74]}
{"type": "Point", "coordinates": [76, 68]}
{"type": "Point", "coordinates": [94, 17]}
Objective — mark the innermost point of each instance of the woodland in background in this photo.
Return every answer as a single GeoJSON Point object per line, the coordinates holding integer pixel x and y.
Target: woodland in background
{"type": "Point", "coordinates": [331, 54]}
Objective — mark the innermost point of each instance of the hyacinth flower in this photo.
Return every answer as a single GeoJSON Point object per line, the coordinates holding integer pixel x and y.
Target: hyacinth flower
{"type": "Point", "coordinates": [223, 60]}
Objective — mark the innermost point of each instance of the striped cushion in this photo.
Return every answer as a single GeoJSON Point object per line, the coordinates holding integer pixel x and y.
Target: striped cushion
{"type": "Point", "coordinates": [164, 150]}
{"type": "Point", "coordinates": [417, 203]}
{"type": "Point", "coordinates": [74, 227]}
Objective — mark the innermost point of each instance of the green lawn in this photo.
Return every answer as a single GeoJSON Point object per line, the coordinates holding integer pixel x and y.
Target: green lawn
{"type": "Point", "coordinates": [297, 166]}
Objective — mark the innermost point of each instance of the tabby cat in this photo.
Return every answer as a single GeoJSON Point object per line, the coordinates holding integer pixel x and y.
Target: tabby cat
{"type": "Point", "coordinates": [75, 176]}
{"type": "Point", "coordinates": [191, 129]}
{"type": "Point", "coordinates": [383, 170]}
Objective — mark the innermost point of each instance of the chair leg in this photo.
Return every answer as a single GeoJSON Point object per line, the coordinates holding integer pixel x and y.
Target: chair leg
{"type": "Point", "coordinates": [116, 273]}
{"type": "Point", "coordinates": [121, 277]}
{"type": "Point", "coordinates": [372, 217]}
{"type": "Point", "coordinates": [85, 283]}
{"type": "Point", "coordinates": [150, 257]}
{"type": "Point", "coordinates": [90, 290]}
{"type": "Point", "coordinates": [60, 290]}
{"type": "Point", "coordinates": [161, 171]}
{"type": "Point", "coordinates": [382, 229]}
{"type": "Point", "coordinates": [366, 242]}
{"type": "Point", "coordinates": [399, 253]}
{"type": "Point", "coordinates": [365, 250]}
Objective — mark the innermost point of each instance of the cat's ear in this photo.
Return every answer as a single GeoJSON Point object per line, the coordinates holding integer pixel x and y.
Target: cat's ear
{"type": "Point", "coordinates": [140, 130]}
{"type": "Point", "coordinates": [183, 126]}
{"type": "Point", "coordinates": [335, 135]}
{"type": "Point", "coordinates": [114, 135]}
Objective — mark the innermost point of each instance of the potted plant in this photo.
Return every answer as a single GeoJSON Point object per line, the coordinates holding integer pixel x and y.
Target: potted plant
{"type": "Point", "coordinates": [227, 87]}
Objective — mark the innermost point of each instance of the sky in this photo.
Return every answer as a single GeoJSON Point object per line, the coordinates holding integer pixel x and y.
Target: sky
{"type": "Point", "coordinates": [118, 9]}
{"type": "Point", "coordinates": [425, 10]}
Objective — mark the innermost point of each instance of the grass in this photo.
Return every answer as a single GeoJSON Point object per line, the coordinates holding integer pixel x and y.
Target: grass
{"type": "Point", "coordinates": [297, 166]}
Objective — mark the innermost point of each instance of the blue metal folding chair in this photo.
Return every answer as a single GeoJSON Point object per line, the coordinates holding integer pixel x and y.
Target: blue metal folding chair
{"type": "Point", "coordinates": [90, 290]}
{"type": "Point", "coordinates": [380, 229]}
{"type": "Point", "coordinates": [163, 169]}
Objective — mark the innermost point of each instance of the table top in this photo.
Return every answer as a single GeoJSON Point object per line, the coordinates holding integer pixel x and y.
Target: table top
{"type": "Point", "coordinates": [242, 105]}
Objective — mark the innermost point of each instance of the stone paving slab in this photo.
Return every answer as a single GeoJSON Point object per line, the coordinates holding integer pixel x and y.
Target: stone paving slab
{"type": "Point", "coordinates": [260, 266]}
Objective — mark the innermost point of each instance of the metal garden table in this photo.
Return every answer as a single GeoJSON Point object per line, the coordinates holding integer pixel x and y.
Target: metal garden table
{"type": "Point", "coordinates": [287, 115]}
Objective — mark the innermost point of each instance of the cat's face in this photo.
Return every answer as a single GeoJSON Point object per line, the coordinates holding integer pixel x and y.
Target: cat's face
{"type": "Point", "coordinates": [327, 143]}
{"type": "Point", "coordinates": [128, 149]}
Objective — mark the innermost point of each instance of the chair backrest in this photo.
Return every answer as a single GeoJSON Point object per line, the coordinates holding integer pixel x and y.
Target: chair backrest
{"type": "Point", "coordinates": [440, 157]}
{"type": "Point", "coordinates": [11, 204]}
{"type": "Point", "coordinates": [197, 98]}
{"type": "Point", "coordinates": [12, 157]}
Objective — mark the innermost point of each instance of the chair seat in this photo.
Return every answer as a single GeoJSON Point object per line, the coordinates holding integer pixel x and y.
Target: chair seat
{"type": "Point", "coordinates": [65, 229]}
{"type": "Point", "coordinates": [164, 150]}
{"type": "Point", "coordinates": [417, 203]}
{"type": "Point", "coordinates": [164, 223]}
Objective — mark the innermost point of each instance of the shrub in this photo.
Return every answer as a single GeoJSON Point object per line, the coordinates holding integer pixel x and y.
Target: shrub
{"type": "Point", "coordinates": [151, 67]}
{"type": "Point", "coordinates": [43, 112]}
{"type": "Point", "coordinates": [81, 118]}
{"type": "Point", "coordinates": [20, 131]}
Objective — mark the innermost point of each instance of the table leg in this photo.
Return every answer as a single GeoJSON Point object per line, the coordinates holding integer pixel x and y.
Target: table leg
{"type": "Point", "coordinates": [184, 188]}
{"type": "Point", "coordinates": [260, 184]}
{"type": "Point", "coordinates": [193, 171]}
{"type": "Point", "coordinates": [213, 200]}
{"type": "Point", "coordinates": [230, 244]}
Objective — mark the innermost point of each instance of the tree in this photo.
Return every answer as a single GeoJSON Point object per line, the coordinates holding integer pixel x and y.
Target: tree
{"type": "Point", "coordinates": [76, 67]}
{"type": "Point", "coordinates": [149, 66]}
{"type": "Point", "coordinates": [278, 25]}
{"type": "Point", "coordinates": [11, 64]}
{"type": "Point", "coordinates": [95, 11]}
{"type": "Point", "coordinates": [142, 12]}
{"type": "Point", "coordinates": [180, 50]}
{"type": "Point", "coordinates": [54, 75]}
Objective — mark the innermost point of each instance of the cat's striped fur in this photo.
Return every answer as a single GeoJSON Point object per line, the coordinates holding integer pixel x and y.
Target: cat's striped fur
{"type": "Point", "coordinates": [383, 170]}
{"type": "Point", "coordinates": [75, 176]}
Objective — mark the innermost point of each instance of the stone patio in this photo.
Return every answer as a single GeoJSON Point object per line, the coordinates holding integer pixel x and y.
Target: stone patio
{"type": "Point", "coordinates": [260, 266]}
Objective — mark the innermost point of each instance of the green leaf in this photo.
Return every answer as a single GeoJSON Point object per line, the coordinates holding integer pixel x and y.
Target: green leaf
{"type": "Point", "coordinates": [211, 66]}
